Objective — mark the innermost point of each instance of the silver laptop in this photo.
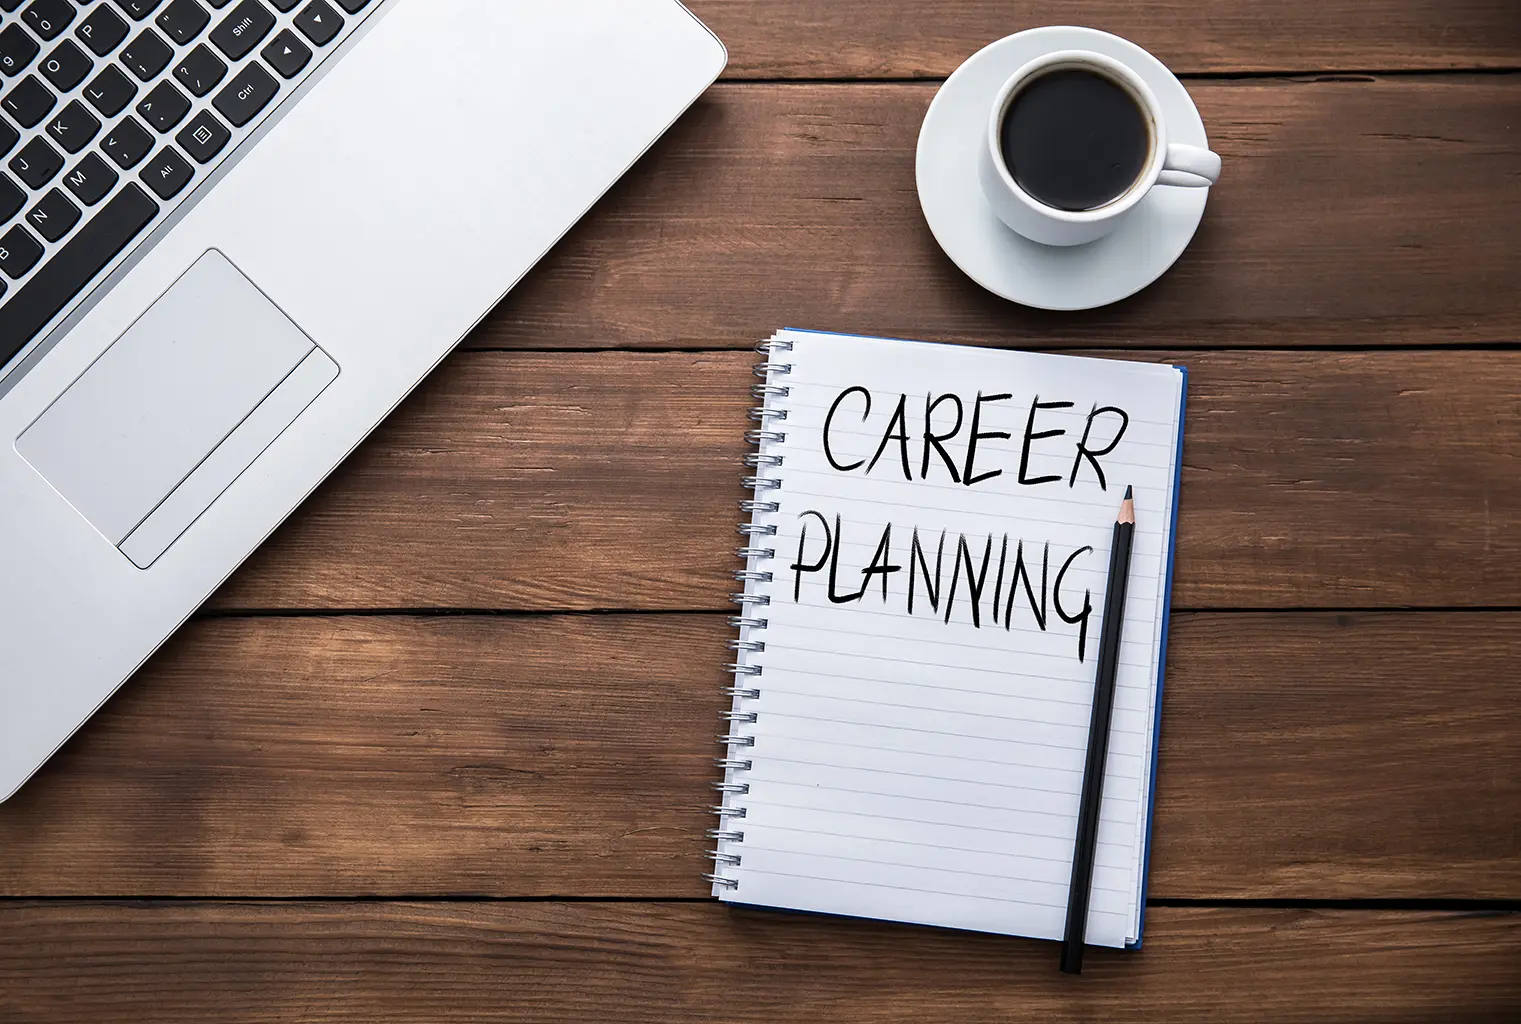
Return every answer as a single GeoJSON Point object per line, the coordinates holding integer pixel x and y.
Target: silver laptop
{"type": "Point", "coordinates": [235, 233]}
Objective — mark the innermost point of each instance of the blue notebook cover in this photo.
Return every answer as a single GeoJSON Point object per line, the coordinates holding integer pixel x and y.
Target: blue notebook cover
{"type": "Point", "coordinates": [1156, 727]}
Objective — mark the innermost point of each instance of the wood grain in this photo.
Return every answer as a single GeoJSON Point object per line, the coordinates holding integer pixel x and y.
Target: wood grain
{"type": "Point", "coordinates": [904, 39]}
{"type": "Point", "coordinates": [1303, 756]}
{"type": "Point", "coordinates": [1362, 212]}
{"type": "Point", "coordinates": [573, 963]}
{"type": "Point", "coordinates": [609, 480]}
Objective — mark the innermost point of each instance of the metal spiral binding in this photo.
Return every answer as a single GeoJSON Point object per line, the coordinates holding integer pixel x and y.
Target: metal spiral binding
{"type": "Point", "coordinates": [748, 646]}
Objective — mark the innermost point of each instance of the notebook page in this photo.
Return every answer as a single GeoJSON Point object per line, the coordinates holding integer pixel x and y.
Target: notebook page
{"type": "Point", "coordinates": [932, 633]}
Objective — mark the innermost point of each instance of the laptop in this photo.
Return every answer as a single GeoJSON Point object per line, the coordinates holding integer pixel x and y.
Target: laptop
{"type": "Point", "coordinates": [235, 234]}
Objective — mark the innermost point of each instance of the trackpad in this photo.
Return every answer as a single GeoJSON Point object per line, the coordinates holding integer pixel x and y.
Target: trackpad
{"type": "Point", "coordinates": [209, 370]}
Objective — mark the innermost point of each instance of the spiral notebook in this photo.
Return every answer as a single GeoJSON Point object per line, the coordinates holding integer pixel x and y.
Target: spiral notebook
{"type": "Point", "coordinates": [924, 573]}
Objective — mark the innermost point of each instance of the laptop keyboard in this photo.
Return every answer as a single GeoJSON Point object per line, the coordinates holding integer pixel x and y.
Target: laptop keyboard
{"type": "Point", "coordinates": [112, 110]}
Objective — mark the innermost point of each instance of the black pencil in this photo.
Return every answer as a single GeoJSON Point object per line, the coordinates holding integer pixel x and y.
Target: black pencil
{"type": "Point", "coordinates": [1098, 738]}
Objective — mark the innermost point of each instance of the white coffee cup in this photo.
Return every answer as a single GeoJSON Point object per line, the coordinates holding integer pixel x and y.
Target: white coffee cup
{"type": "Point", "coordinates": [1167, 163]}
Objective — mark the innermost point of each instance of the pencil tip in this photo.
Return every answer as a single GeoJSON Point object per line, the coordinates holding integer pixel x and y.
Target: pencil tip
{"type": "Point", "coordinates": [1127, 507]}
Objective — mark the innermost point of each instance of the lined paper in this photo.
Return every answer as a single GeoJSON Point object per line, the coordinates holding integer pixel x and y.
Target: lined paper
{"type": "Point", "coordinates": [924, 764]}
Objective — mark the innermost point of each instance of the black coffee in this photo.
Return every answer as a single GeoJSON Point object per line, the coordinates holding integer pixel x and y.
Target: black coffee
{"type": "Point", "coordinates": [1074, 139]}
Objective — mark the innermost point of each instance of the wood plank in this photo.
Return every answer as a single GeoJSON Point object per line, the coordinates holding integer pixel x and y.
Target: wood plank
{"type": "Point", "coordinates": [701, 962]}
{"type": "Point", "coordinates": [609, 480]}
{"type": "Point", "coordinates": [1303, 755]}
{"type": "Point", "coordinates": [873, 38]}
{"type": "Point", "coordinates": [1376, 211]}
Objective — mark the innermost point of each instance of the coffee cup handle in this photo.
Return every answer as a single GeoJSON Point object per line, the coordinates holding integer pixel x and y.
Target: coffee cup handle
{"type": "Point", "coordinates": [1189, 166]}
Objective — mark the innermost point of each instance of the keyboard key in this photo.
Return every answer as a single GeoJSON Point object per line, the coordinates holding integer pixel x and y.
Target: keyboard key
{"type": "Point", "coordinates": [9, 5]}
{"type": "Point", "coordinates": [167, 173]}
{"type": "Point", "coordinates": [12, 198]}
{"type": "Point", "coordinates": [72, 267]}
{"type": "Point", "coordinates": [53, 215]}
{"type": "Point", "coordinates": [111, 91]}
{"type": "Point", "coordinates": [200, 71]}
{"type": "Point", "coordinates": [204, 137]}
{"type": "Point", "coordinates": [286, 54]}
{"type": "Point", "coordinates": [183, 20]}
{"type": "Point", "coordinates": [247, 94]}
{"type": "Point", "coordinates": [319, 22]}
{"type": "Point", "coordinates": [127, 143]}
{"type": "Point", "coordinates": [47, 18]}
{"type": "Point", "coordinates": [139, 9]}
{"type": "Point", "coordinates": [66, 66]}
{"type": "Point", "coordinates": [285, 5]}
{"type": "Point", "coordinates": [164, 107]}
{"type": "Point", "coordinates": [17, 49]}
{"type": "Point", "coordinates": [8, 139]}
{"type": "Point", "coordinates": [102, 30]}
{"type": "Point", "coordinates": [19, 252]}
{"type": "Point", "coordinates": [219, 4]}
{"type": "Point", "coordinates": [353, 6]}
{"type": "Point", "coordinates": [36, 163]}
{"type": "Point", "coordinates": [91, 179]}
{"type": "Point", "coordinates": [29, 102]}
{"type": "Point", "coordinates": [74, 127]}
{"type": "Point", "coordinates": [241, 30]}
{"type": "Point", "coordinates": [146, 55]}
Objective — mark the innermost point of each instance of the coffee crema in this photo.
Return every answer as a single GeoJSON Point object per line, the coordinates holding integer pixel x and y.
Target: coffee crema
{"type": "Point", "coordinates": [1075, 139]}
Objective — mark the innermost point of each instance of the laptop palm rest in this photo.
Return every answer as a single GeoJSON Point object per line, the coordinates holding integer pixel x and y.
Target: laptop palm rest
{"type": "Point", "coordinates": [176, 409]}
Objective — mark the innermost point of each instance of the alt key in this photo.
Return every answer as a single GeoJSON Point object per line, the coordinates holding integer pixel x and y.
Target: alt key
{"type": "Point", "coordinates": [167, 173]}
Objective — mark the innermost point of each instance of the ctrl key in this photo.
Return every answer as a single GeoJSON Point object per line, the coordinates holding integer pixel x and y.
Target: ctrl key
{"type": "Point", "coordinates": [246, 94]}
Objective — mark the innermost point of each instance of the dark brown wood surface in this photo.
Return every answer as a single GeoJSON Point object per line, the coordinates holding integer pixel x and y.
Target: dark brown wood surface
{"type": "Point", "coordinates": [439, 751]}
{"type": "Point", "coordinates": [518, 756]}
{"type": "Point", "coordinates": [881, 38]}
{"type": "Point", "coordinates": [189, 963]}
{"type": "Point", "coordinates": [546, 481]}
{"type": "Point", "coordinates": [1362, 210]}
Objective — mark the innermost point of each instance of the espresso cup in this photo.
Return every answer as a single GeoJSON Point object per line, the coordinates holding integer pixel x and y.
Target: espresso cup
{"type": "Point", "coordinates": [1159, 163]}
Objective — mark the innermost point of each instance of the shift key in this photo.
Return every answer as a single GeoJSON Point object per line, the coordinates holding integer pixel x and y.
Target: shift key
{"type": "Point", "coordinates": [246, 94]}
{"type": "Point", "coordinates": [241, 30]}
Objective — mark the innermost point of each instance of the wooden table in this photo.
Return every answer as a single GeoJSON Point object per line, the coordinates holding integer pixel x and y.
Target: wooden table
{"type": "Point", "coordinates": [440, 751]}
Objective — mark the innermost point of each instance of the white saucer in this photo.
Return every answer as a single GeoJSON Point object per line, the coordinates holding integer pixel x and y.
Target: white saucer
{"type": "Point", "coordinates": [1138, 252]}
